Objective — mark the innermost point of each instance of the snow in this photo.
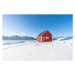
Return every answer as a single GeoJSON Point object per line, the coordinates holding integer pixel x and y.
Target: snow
{"type": "Point", "coordinates": [57, 50]}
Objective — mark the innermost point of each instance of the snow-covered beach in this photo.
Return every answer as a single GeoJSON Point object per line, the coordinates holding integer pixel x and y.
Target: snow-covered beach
{"type": "Point", "coordinates": [20, 50]}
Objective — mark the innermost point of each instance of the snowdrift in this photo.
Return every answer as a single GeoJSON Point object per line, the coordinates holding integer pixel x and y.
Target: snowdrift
{"type": "Point", "coordinates": [57, 50]}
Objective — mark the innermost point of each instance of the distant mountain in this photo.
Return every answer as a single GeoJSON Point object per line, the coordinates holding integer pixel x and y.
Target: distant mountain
{"type": "Point", "coordinates": [67, 38]}
{"type": "Point", "coordinates": [64, 38]}
{"type": "Point", "coordinates": [16, 37]}
{"type": "Point", "coordinates": [55, 38]}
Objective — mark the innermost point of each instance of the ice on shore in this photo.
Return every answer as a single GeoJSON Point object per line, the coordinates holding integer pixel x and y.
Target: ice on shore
{"type": "Point", "coordinates": [57, 50]}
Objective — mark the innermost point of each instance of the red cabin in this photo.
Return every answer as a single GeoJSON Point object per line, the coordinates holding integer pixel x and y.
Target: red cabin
{"type": "Point", "coordinates": [45, 36]}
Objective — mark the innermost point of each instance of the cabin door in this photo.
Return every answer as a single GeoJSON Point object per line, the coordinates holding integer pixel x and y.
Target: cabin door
{"type": "Point", "coordinates": [43, 39]}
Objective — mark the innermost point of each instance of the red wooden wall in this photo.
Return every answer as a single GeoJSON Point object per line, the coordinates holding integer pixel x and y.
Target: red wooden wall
{"type": "Point", "coordinates": [45, 37]}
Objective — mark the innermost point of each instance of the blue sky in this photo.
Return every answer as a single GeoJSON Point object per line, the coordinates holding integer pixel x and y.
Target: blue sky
{"type": "Point", "coordinates": [32, 25]}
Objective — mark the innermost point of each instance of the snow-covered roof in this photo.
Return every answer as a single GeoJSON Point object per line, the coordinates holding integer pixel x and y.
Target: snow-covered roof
{"type": "Point", "coordinates": [42, 32]}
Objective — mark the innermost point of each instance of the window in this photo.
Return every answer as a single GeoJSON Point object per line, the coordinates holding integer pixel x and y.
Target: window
{"type": "Point", "coordinates": [47, 37]}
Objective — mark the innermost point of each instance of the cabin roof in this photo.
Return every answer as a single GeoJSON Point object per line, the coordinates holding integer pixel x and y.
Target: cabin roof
{"type": "Point", "coordinates": [42, 32]}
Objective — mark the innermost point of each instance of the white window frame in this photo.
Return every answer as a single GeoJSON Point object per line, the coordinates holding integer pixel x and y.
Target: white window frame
{"type": "Point", "coordinates": [47, 37]}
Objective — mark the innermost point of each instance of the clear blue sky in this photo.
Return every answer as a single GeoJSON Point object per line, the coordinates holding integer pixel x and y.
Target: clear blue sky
{"type": "Point", "coordinates": [32, 25]}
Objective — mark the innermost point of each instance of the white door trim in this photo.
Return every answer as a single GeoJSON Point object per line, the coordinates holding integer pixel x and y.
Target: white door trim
{"type": "Point", "coordinates": [41, 38]}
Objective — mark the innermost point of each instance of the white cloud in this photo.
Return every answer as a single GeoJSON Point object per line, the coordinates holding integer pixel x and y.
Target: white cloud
{"type": "Point", "coordinates": [34, 35]}
{"type": "Point", "coordinates": [13, 33]}
{"type": "Point", "coordinates": [17, 34]}
{"type": "Point", "coordinates": [23, 34]}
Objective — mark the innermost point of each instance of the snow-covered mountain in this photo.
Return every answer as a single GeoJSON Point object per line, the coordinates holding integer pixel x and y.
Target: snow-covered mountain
{"type": "Point", "coordinates": [66, 38]}
{"type": "Point", "coordinates": [16, 37]}
{"type": "Point", "coordinates": [63, 38]}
